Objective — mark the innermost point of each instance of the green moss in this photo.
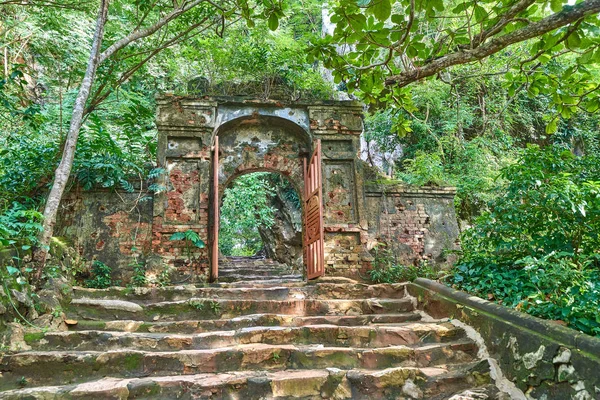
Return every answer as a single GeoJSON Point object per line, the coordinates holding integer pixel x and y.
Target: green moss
{"type": "Point", "coordinates": [32, 337]}
{"type": "Point", "coordinates": [133, 362]}
{"type": "Point", "coordinates": [481, 379]}
{"type": "Point", "coordinates": [91, 325]}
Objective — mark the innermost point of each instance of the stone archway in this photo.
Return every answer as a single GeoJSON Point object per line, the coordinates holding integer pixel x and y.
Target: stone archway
{"type": "Point", "coordinates": [358, 211]}
{"type": "Point", "coordinates": [253, 143]}
{"type": "Point", "coordinates": [259, 135]}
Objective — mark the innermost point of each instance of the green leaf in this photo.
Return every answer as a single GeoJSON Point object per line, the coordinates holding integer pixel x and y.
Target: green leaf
{"type": "Point", "coordinates": [480, 13]}
{"type": "Point", "coordinates": [12, 270]}
{"type": "Point", "coordinates": [177, 236]}
{"type": "Point", "coordinates": [573, 41]}
{"type": "Point", "coordinates": [556, 5]}
{"type": "Point", "coordinates": [273, 22]}
{"type": "Point", "coordinates": [381, 9]}
{"type": "Point", "coordinates": [552, 127]}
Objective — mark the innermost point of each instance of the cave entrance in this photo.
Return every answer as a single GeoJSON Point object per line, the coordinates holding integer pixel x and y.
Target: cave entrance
{"type": "Point", "coordinates": [260, 229]}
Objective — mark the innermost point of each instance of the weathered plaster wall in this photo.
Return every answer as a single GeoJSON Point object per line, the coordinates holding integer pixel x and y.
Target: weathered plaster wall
{"type": "Point", "coordinates": [262, 144]}
{"type": "Point", "coordinates": [109, 227]}
{"type": "Point", "coordinates": [418, 223]}
{"type": "Point", "coordinates": [545, 360]}
{"type": "Point", "coordinates": [257, 135]}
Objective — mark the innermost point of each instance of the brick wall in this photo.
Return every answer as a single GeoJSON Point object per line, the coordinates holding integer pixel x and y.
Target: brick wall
{"type": "Point", "coordinates": [419, 224]}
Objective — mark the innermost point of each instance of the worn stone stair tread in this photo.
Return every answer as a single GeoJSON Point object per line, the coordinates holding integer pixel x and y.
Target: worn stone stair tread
{"type": "Point", "coordinates": [56, 354]}
{"type": "Point", "coordinates": [332, 335]}
{"type": "Point", "coordinates": [275, 292]}
{"type": "Point", "coordinates": [251, 320]}
{"type": "Point", "coordinates": [201, 308]}
{"type": "Point", "coordinates": [54, 367]}
{"type": "Point", "coordinates": [249, 278]}
{"type": "Point", "coordinates": [306, 384]}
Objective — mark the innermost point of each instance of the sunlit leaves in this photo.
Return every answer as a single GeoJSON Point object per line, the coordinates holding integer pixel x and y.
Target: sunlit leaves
{"type": "Point", "coordinates": [465, 26]}
{"type": "Point", "coordinates": [381, 9]}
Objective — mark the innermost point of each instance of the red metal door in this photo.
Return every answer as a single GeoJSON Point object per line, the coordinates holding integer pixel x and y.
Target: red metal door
{"type": "Point", "coordinates": [314, 252]}
{"type": "Point", "coordinates": [214, 268]}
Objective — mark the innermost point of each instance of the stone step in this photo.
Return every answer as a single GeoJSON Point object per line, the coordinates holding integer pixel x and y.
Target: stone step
{"type": "Point", "coordinates": [61, 367]}
{"type": "Point", "coordinates": [431, 383]}
{"type": "Point", "coordinates": [247, 321]}
{"type": "Point", "coordinates": [254, 265]}
{"type": "Point", "coordinates": [271, 272]}
{"type": "Point", "coordinates": [201, 309]}
{"type": "Point", "coordinates": [255, 277]}
{"type": "Point", "coordinates": [276, 292]}
{"type": "Point", "coordinates": [327, 335]}
{"type": "Point", "coordinates": [315, 384]}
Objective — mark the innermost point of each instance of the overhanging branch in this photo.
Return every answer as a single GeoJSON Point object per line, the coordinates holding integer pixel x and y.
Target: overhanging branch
{"type": "Point", "coordinates": [567, 16]}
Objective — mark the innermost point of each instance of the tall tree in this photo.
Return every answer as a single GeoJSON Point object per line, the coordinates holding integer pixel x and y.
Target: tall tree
{"type": "Point", "coordinates": [169, 23]}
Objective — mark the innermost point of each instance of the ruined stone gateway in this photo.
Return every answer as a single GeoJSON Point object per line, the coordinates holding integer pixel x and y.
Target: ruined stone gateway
{"type": "Point", "coordinates": [253, 135]}
{"type": "Point", "coordinates": [262, 331]}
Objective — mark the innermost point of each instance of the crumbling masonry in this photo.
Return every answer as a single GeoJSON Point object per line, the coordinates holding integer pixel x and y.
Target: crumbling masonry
{"type": "Point", "coordinates": [255, 135]}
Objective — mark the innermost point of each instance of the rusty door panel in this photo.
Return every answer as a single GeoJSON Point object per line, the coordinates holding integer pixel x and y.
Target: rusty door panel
{"type": "Point", "coordinates": [314, 251]}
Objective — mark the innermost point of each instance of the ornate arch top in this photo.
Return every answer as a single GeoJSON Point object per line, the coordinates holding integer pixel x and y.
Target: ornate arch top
{"type": "Point", "coordinates": [295, 120]}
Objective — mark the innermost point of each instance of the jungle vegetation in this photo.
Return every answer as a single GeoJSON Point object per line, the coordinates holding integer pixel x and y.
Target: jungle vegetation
{"type": "Point", "coordinates": [499, 99]}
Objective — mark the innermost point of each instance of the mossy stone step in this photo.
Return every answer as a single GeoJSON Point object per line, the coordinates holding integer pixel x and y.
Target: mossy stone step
{"type": "Point", "coordinates": [202, 309]}
{"type": "Point", "coordinates": [243, 277]}
{"type": "Point", "coordinates": [247, 321]}
{"type": "Point", "coordinates": [272, 272]}
{"type": "Point", "coordinates": [316, 384]}
{"type": "Point", "coordinates": [178, 293]}
{"type": "Point", "coordinates": [51, 368]}
{"type": "Point", "coordinates": [328, 335]}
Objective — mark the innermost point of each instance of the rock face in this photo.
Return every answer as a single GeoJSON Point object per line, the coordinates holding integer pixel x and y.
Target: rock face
{"type": "Point", "coordinates": [283, 241]}
{"type": "Point", "coordinates": [277, 338]}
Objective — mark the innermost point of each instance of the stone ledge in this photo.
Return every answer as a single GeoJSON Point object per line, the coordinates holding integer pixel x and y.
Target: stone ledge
{"type": "Point", "coordinates": [254, 101]}
{"type": "Point", "coordinates": [379, 189]}
{"type": "Point", "coordinates": [529, 349]}
{"type": "Point", "coordinates": [562, 335]}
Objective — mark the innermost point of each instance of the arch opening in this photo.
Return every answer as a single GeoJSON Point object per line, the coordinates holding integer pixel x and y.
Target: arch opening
{"type": "Point", "coordinates": [261, 219]}
{"type": "Point", "coordinates": [264, 156]}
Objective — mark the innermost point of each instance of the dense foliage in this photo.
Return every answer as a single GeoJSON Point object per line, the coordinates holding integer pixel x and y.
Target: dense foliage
{"type": "Point", "coordinates": [538, 246]}
{"type": "Point", "coordinates": [247, 206]}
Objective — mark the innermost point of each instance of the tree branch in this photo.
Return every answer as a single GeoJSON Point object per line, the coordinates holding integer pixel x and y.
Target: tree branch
{"type": "Point", "coordinates": [142, 33]}
{"type": "Point", "coordinates": [504, 20]}
{"type": "Point", "coordinates": [566, 16]}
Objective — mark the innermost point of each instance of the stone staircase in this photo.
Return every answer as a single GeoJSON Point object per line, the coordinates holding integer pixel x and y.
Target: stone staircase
{"type": "Point", "coordinates": [264, 339]}
{"type": "Point", "coordinates": [254, 269]}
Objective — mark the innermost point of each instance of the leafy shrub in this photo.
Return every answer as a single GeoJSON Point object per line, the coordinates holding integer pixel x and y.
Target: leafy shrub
{"type": "Point", "coordinates": [20, 225]}
{"type": "Point", "coordinates": [101, 276]}
{"type": "Point", "coordinates": [139, 274]}
{"type": "Point", "coordinates": [386, 268]}
{"type": "Point", "coordinates": [424, 169]}
{"type": "Point", "coordinates": [554, 287]}
{"type": "Point", "coordinates": [537, 247]}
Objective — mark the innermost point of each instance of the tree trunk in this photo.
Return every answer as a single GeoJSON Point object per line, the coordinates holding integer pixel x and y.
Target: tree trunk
{"type": "Point", "coordinates": [63, 171]}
